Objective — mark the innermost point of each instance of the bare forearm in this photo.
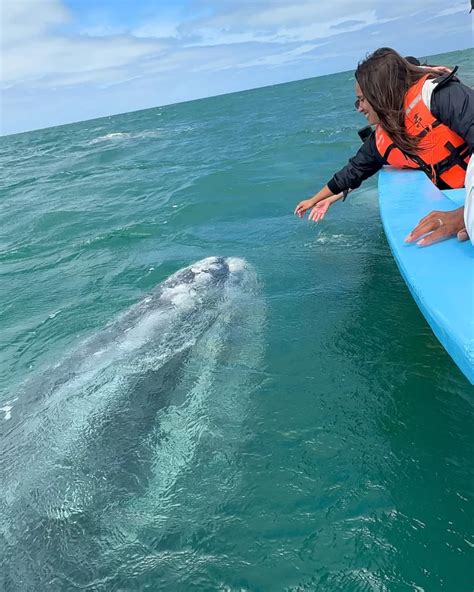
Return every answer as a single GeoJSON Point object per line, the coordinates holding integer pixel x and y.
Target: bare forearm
{"type": "Point", "coordinates": [335, 198]}
{"type": "Point", "coordinates": [323, 193]}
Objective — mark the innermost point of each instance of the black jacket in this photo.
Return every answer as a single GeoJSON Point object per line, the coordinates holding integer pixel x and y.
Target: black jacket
{"type": "Point", "coordinates": [451, 103]}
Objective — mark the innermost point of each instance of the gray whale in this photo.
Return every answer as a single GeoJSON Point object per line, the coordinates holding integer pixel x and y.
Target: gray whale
{"type": "Point", "coordinates": [94, 448]}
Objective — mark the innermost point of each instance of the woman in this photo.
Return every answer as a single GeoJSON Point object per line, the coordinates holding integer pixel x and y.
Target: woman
{"type": "Point", "coordinates": [423, 120]}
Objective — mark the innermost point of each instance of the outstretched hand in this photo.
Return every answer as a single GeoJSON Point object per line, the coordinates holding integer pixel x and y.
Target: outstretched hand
{"type": "Point", "coordinates": [319, 210]}
{"type": "Point", "coordinates": [303, 206]}
{"type": "Point", "coordinates": [438, 226]}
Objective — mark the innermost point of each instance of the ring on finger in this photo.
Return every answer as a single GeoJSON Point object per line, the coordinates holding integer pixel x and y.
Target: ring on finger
{"type": "Point", "coordinates": [440, 222]}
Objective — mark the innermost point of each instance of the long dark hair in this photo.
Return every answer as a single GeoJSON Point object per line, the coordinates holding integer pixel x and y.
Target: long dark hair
{"type": "Point", "coordinates": [384, 78]}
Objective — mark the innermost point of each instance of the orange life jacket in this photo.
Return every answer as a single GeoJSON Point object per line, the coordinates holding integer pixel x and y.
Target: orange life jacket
{"type": "Point", "coordinates": [441, 153]}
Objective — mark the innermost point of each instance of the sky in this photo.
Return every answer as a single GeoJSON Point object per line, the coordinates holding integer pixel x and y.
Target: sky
{"type": "Point", "coordinates": [71, 60]}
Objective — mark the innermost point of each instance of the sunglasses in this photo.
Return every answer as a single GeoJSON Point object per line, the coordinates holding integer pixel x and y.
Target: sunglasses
{"type": "Point", "coordinates": [358, 101]}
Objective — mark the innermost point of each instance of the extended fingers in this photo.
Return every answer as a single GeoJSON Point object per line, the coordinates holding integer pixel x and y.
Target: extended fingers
{"type": "Point", "coordinates": [317, 214]}
{"type": "Point", "coordinates": [442, 233]}
{"type": "Point", "coordinates": [427, 224]}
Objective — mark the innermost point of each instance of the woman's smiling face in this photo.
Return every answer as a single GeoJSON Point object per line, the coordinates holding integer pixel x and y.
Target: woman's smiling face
{"type": "Point", "coordinates": [363, 106]}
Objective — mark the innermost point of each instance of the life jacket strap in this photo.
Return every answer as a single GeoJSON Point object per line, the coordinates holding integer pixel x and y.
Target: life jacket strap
{"type": "Point", "coordinates": [457, 156]}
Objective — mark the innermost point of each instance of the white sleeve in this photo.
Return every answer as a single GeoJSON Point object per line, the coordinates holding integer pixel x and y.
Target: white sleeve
{"type": "Point", "coordinates": [469, 204]}
{"type": "Point", "coordinates": [427, 90]}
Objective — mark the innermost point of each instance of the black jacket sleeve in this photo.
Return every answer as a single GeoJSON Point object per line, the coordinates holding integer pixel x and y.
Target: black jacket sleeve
{"type": "Point", "coordinates": [453, 105]}
{"type": "Point", "coordinates": [366, 162]}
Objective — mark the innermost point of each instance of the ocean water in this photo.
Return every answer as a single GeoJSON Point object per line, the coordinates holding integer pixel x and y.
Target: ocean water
{"type": "Point", "coordinates": [319, 439]}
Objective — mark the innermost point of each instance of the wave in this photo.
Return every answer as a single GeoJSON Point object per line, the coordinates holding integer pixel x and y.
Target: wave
{"type": "Point", "coordinates": [121, 136]}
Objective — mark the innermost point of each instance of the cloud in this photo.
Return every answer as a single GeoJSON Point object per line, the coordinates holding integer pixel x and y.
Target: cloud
{"type": "Point", "coordinates": [277, 14]}
{"type": "Point", "coordinates": [27, 20]}
{"type": "Point", "coordinates": [161, 29]}
{"type": "Point", "coordinates": [304, 20]}
{"type": "Point", "coordinates": [275, 22]}
{"type": "Point", "coordinates": [345, 24]}
{"type": "Point", "coordinates": [452, 10]}
{"type": "Point", "coordinates": [281, 56]}
{"type": "Point", "coordinates": [99, 57]}
{"type": "Point", "coordinates": [35, 49]}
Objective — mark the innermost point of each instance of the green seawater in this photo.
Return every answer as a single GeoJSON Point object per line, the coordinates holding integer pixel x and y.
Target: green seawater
{"type": "Point", "coordinates": [343, 461]}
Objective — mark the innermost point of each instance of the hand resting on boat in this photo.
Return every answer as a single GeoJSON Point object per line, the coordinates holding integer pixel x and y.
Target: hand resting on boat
{"type": "Point", "coordinates": [438, 226]}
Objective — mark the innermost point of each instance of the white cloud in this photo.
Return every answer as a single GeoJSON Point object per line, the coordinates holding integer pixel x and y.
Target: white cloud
{"type": "Point", "coordinates": [306, 31]}
{"type": "Point", "coordinates": [269, 59]}
{"type": "Point", "coordinates": [214, 47]}
{"type": "Point", "coordinates": [452, 10]}
{"type": "Point", "coordinates": [25, 19]}
{"type": "Point", "coordinates": [34, 48]}
{"type": "Point", "coordinates": [267, 16]}
{"type": "Point", "coordinates": [274, 22]}
{"type": "Point", "coordinates": [304, 20]}
{"type": "Point", "coordinates": [161, 29]}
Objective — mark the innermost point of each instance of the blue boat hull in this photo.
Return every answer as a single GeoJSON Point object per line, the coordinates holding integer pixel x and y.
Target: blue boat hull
{"type": "Point", "coordinates": [440, 277]}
